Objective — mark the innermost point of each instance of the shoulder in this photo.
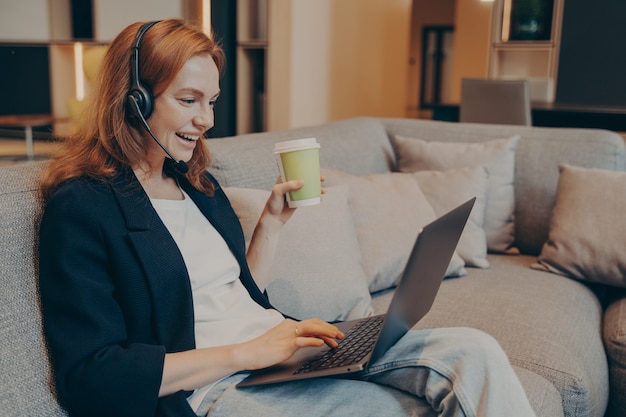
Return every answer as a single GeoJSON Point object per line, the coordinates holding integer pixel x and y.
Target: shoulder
{"type": "Point", "coordinates": [79, 192]}
{"type": "Point", "coordinates": [83, 201]}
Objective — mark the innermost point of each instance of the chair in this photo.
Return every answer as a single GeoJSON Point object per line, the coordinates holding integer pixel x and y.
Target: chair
{"type": "Point", "coordinates": [495, 101]}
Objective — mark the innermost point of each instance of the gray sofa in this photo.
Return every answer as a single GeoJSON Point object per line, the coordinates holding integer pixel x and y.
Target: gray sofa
{"type": "Point", "coordinates": [565, 338]}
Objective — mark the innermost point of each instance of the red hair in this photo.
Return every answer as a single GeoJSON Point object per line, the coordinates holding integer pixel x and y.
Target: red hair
{"type": "Point", "coordinates": [104, 140]}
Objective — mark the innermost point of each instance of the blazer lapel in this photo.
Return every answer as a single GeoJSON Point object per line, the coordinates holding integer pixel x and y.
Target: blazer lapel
{"type": "Point", "coordinates": [167, 276]}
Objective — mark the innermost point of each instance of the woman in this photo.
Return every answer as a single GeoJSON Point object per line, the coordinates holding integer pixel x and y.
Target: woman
{"type": "Point", "coordinates": [149, 302]}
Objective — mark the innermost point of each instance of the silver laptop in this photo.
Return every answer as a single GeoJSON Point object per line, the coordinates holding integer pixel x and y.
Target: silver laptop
{"type": "Point", "coordinates": [367, 339]}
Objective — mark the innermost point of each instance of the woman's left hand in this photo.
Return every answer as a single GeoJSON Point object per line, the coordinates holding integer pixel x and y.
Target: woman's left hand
{"type": "Point", "coordinates": [277, 203]}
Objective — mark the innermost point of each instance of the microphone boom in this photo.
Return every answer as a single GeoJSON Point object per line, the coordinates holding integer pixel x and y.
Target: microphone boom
{"type": "Point", "coordinates": [181, 166]}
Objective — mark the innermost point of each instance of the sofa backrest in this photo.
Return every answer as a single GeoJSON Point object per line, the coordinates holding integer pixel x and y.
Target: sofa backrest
{"type": "Point", "coordinates": [365, 145]}
{"type": "Point", "coordinates": [25, 379]}
{"type": "Point", "coordinates": [538, 155]}
{"type": "Point", "coordinates": [358, 146]}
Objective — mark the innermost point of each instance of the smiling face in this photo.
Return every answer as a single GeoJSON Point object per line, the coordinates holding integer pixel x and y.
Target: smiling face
{"type": "Point", "coordinates": [184, 111]}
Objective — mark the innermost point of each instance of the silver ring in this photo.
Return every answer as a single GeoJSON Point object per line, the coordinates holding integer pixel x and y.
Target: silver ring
{"type": "Point", "coordinates": [296, 332]}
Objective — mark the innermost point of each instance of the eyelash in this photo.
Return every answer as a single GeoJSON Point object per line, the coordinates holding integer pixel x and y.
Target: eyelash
{"type": "Point", "coordinates": [193, 100]}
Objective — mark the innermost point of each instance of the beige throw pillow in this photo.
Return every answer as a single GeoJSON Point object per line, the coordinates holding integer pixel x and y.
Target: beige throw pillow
{"type": "Point", "coordinates": [587, 229]}
{"type": "Point", "coordinates": [317, 271]}
{"type": "Point", "coordinates": [445, 190]}
{"type": "Point", "coordinates": [388, 211]}
{"type": "Point", "coordinates": [414, 154]}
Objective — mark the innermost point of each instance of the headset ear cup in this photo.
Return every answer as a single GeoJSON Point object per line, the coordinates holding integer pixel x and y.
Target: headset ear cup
{"type": "Point", "coordinates": [145, 103]}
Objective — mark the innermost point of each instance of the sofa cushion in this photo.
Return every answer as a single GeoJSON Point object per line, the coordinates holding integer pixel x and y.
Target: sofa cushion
{"type": "Point", "coordinates": [414, 154]}
{"type": "Point", "coordinates": [544, 398]}
{"type": "Point", "coordinates": [317, 270]}
{"type": "Point", "coordinates": [615, 343]}
{"type": "Point", "coordinates": [551, 327]}
{"type": "Point", "coordinates": [248, 204]}
{"type": "Point", "coordinates": [25, 380]}
{"type": "Point", "coordinates": [388, 211]}
{"type": "Point", "coordinates": [445, 190]}
{"type": "Point", "coordinates": [587, 232]}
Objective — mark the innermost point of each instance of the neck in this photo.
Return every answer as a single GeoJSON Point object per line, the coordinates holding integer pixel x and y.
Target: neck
{"type": "Point", "coordinates": [157, 184]}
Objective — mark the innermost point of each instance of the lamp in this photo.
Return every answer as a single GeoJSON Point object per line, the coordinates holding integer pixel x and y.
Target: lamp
{"type": "Point", "coordinates": [86, 65]}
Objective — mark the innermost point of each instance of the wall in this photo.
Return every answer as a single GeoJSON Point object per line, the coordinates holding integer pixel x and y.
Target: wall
{"type": "Point", "coordinates": [46, 20]}
{"type": "Point", "coordinates": [278, 76]}
{"type": "Point", "coordinates": [311, 62]}
{"type": "Point", "coordinates": [111, 16]}
{"type": "Point", "coordinates": [472, 36]}
{"type": "Point", "coordinates": [335, 59]}
{"type": "Point", "coordinates": [24, 20]}
{"type": "Point", "coordinates": [369, 71]}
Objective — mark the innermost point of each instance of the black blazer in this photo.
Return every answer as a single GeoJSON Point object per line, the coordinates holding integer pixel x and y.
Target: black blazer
{"type": "Point", "coordinates": [116, 294]}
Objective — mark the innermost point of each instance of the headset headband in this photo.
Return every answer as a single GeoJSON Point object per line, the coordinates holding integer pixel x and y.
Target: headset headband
{"type": "Point", "coordinates": [138, 92]}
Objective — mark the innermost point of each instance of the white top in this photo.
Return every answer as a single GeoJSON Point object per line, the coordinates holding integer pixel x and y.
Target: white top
{"type": "Point", "coordinates": [224, 311]}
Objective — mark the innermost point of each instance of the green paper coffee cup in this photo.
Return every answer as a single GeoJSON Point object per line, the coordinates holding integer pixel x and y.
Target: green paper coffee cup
{"type": "Point", "coordinates": [300, 160]}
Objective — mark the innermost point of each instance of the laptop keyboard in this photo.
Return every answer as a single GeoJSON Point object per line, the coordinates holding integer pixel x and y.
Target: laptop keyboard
{"type": "Point", "coordinates": [357, 343]}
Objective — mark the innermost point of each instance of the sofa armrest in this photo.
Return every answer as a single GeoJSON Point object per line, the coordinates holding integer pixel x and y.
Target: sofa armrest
{"type": "Point", "coordinates": [615, 345]}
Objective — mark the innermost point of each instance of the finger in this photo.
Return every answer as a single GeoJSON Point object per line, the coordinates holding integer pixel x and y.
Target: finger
{"type": "Point", "coordinates": [324, 325]}
{"type": "Point", "coordinates": [302, 342]}
{"type": "Point", "coordinates": [293, 185]}
{"type": "Point", "coordinates": [330, 342]}
{"type": "Point", "coordinates": [319, 328]}
{"type": "Point", "coordinates": [282, 188]}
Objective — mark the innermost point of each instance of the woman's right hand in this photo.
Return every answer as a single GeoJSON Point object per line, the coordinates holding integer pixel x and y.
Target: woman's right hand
{"type": "Point", "coordinates": [196, 368]}
{"type": "Point", "coordinates": [282, 341]}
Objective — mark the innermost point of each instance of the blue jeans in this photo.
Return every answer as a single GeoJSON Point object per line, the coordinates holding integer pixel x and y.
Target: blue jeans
{"type": "Point", "coordinates": [441, 372]}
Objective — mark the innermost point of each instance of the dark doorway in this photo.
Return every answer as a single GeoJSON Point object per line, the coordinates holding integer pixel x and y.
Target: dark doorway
{"type": "Point", "coordinates": [437, 51]}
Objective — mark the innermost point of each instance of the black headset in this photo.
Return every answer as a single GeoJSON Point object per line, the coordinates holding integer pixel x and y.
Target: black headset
{"type": "Point", "coordinates": [140, 101]}
{"type": "Point", "coordinates": [139, 93]}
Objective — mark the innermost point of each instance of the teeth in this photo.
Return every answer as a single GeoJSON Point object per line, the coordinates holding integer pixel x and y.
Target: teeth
{"type": "Point", "coordinates": [188, 137]}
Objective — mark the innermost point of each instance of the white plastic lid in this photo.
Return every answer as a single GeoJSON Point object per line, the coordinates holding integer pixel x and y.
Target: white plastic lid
{"type": "Point", "coordinates": [295, 145]}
